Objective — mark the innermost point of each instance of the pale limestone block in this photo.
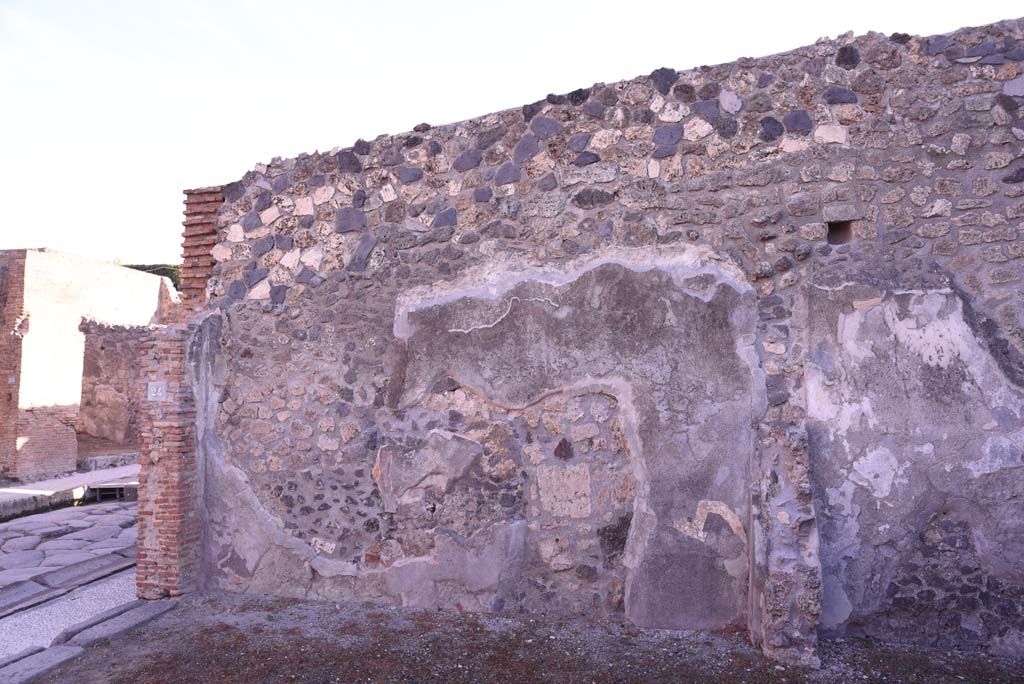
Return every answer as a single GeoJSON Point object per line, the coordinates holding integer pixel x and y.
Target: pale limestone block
{"type": "Point", "coordinates": [565, 490]}
{"type": "Point", "coordinates": [323, 194]}
{"type": "Point", "coordinates": [790, 145]}
{"type": "Point", "coordinates": [674, 112]}
{"type": "Point", "coordinates": [269, 215]}
{"type": "Point", "coordinates": [291, 259]}
{"type": "Point", "coordinates": [605, 138]}
{"type": "Point", "coordinates": [697, 128]}
{"type": "Point", "coordinates": [303, 206]}
{"type": "Point", "coordinates": [312, 257]}
{"type": "Point", "coordinates": [830, 134]}
{"type": "Point", "coordinates": [260, 290]}
{"type": "Point", "coordinates": [220, 252]}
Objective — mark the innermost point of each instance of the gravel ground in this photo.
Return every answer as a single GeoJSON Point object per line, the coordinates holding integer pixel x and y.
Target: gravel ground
{"type": "Point", "coordinates": [251, 640]}
{"type": "Point", "coordinates": [38, 626]}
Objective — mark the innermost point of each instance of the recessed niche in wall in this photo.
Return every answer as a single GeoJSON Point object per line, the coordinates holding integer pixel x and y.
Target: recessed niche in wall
{"type": "Point", "coordinates": [840, 232]}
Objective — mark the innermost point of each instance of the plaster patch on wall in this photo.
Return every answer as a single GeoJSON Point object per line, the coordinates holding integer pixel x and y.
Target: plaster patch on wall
{"type": "Point", "coordinates": [328, 567]}
{"type": "Point", "coordinates": [827, 402]}
{"type": "Point", "coordinates": [495, 279]}
{"type": "Point", "coordinates": [835, 604]}
{"type": "Point", "coordinates": [841, 498]}
{"type": "Point", "coordinates": [518, 338]}
{"type": "Point", "coordinates": [876, 470]}
{"type": "Point", "coordinates": [695, 527]}
{"type": "Point", "coordinates": [937, 394]}
{"type": "Point", "coordinates": [938, 337]}
{"type": "Point", "coordinates": [998, 452]}
{"type": "Point", "coordinates": [849, 325]}
{"type": "Point", "coordinates": [405, 478]}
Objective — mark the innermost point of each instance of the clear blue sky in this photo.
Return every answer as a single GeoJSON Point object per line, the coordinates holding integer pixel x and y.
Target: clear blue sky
{"type": "Point", "coordinates": [109, 109]}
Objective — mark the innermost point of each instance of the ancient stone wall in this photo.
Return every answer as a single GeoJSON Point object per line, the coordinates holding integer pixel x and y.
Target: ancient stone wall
{"type": "Point", "coordinates": [112, 387]}
{"type": "Point", "coordinates": [12, 281]}
{"type": "Point", "coordinates": [57, 292]}
{"type": "Point", "coordinates": [918, 467]}
{"type": "Point", "coordinates": [738, 345]}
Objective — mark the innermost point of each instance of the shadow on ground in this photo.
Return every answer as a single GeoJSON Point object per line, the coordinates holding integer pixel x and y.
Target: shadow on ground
{"type": "Point", "coordinates": [229, 639]}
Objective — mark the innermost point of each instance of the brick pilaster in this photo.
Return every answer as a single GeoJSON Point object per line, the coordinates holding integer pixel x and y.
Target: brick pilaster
{"type": "Point", "coordinates": [200, 235]}
{"type": "Point", "coordinates": [169, 530]}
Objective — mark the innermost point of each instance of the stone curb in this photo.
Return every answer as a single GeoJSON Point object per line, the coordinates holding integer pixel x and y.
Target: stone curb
{"type": "Point", "coordinates": [118, 624]}
{"type": "Point", "coordinates": [31, 650]}
{"type": "Point", "coordinates": [42, 588]}
{"type": "Point", "coordinates": [30, 599]}
{"type": "Point", "coordinates": [16, 593]}
{"type": "Point", "coordinates": [85, 572]}
{"type": "Point", "coordinates": [39, 503]}
{"type": "Point", "coordinates": [32, 662]}
{"type": "Point", "coordinates": [27, 668]}
{"type": "Point", "coordinates": [66, 635]}
{"type": "Point", "coordinates": [129, 551]}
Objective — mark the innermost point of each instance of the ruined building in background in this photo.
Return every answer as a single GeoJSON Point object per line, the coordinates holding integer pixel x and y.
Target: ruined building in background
{"type": "Point", "coordinates": [71, 334]}
{"type": "Point", "coordinates": [738, 346]}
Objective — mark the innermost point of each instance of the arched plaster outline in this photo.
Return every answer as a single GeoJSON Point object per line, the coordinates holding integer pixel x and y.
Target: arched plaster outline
{"type": "Point", "coordinates": [494, 281]}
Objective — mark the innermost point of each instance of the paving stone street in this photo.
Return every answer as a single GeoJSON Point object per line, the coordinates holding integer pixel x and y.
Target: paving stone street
{"type": "Point", "coordinates": [48, 549]}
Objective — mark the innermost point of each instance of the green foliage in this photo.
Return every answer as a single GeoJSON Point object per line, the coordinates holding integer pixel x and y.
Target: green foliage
{"type": "Point", "coordinates": [172, 271]}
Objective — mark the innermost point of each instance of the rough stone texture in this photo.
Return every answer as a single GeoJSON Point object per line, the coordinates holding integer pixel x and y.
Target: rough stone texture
{"type": "Point", "coordinates": [648, 379]}
{"type": "Point", "coordinates": [481, 498]}
{"type": "Point", "coordinates": [608, 327]}
{"type": "Point", "coordinates": [112, 388]}
{"type": "Point", "coordinates": [12, 298]}
{"type": "Point", "coordinates": [916, 442]}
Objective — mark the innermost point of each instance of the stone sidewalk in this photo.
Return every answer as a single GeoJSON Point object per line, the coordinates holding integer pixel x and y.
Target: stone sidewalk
{"type": "Point", "coordinates": [21, 498]}
{"type": "Point", "coordinates": [48, 554]}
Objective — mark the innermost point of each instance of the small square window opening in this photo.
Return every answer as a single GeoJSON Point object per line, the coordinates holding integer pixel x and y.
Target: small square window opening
{"type": "Point", "coordinates": [840, 232]}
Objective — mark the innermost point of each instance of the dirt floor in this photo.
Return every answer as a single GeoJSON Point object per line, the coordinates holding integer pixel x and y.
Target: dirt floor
{"type": "Point", "coordinates": [229, 639]}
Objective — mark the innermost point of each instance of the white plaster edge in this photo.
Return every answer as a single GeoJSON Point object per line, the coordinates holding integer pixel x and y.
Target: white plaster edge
{"type": "Point", "coordinates": [493, 280]}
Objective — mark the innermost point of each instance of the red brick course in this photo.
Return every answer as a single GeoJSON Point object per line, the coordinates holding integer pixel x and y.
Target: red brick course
{"type": "Point", "coordinates": [168, 482]}
{"type": "Point", "coordinates": [169, 525]}
{"type": "Point", "coordinates": [200, 235]}
{"type": "Point", "coordinates": [12, 300]}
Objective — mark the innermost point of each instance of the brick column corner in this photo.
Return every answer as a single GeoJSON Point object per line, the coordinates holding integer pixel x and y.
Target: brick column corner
{"type": "Point", "coordinates": [200, 235]}
{"type": "Point", "coordinates": [169, 529]}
